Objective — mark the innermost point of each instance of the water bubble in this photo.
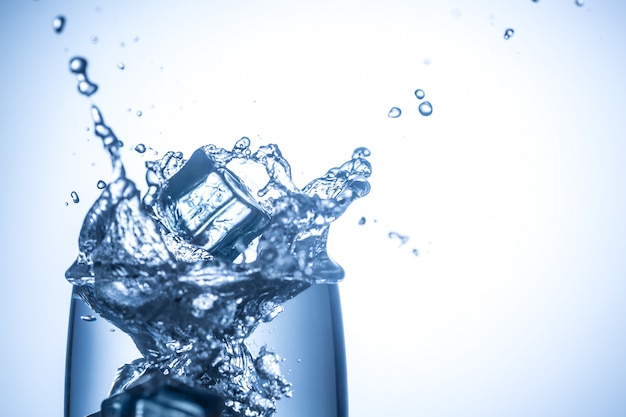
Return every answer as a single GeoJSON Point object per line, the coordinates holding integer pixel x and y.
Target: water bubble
{"type": "Point", "coordinates": [419, 93]}
{"type": "Point", "coordinates": [88, 318]}
{"type": "Point", "coordinates": [78, 66]}
{"type": "Point", "coordinates": [425, 108]}
{"type": "Point", "coordinates": [121, 65]}
{"type": "Point", "coordinates": [141, 148]}
{"type": "Point", "coordinates": [394, 112]}
{"type": "Point", "coordinates": [101, 185]}
{"type": "Point", "coordinates": [58, 24]}
{"type": "Point", "coordinates": [508, 33]}
{"type": "Point", "coordinates": [580, 3]}
{"type": "Point", "coordinates": [74, 196]}
{"type": "Point", "coordinates": [67, 204]}
{"type": "Point", "coordinates": [139, 113]}
{"type": "Point", "coordinates": [361, 152]}
{"type": "Point", "coordinates": [362, 221]}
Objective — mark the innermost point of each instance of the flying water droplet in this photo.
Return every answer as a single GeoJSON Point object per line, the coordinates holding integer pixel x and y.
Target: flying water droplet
{"type": "Point", "coordinates": [141, 148]}
{"type": "Point", "coordinates": [94, 39]}
{"type": "Point", "coordinates": [580, 3]}
{"type": "Point", "coordinates": [419, 93]}
{"type": "Point", "coordinates": [394, 112]}
{"type": "Point", "coordinates": [74, 196]}
{"type": "Point", "coordinates": [121, 65]}
{"type": "Point", "coordinates": [425, 108]}
{"type": "Point", "coordinates": [415, 252]}
{"type": "Point", "coordinates": [139, 113]}
{"type": "Point", "coordinates": [508, 33]}
{"type": "Point", "coordinates": [101, 185]}
{"type": "Point", "coordinates": [402, 239]}
{"type": "Point", "coordinates": [362, 221]}
{"type": "Point", "coordinates": [78, 66]}
{"type": "Point", "coordinates": [242, 144]}
{"type": "Point", "coordinates": [88, 318]}
{"type": "Point", "coordinates": [361, 152]}
{"type": "Point", "coordinates": [58, 24]}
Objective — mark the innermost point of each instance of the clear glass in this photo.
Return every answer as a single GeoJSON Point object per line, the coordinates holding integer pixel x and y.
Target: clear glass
{"type": "Point", "coordinates": [308, 336]}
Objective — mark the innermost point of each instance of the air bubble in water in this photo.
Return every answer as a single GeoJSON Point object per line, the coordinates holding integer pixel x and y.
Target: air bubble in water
{"type": "Point", "coordinates": [74, 196]}
{"type": "Point", "coordinates": [101, 185]}
{"type": "Point", "coordinates": [58, 24]}
{"type": "Point", "coordinates": [394, 112]}
{"type": "Point", "coordinates": [419, 93]}
{"type": "Point", "coordinates": [141, 148]}
{"type": "Point", "coordinates": [425, 108]}
{"type": "Point", "coordinates": [508, 33]}
{"type": "Point", "coordinates": [78, 66]}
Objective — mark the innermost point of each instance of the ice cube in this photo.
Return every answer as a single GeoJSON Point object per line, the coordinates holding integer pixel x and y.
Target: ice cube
{"type": "Point", "coordinates": [210, 207]}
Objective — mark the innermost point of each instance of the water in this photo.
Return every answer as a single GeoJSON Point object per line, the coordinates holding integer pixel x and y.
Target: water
{"type": "Point", "coordinates": [213, 250]}
{"type": "Point", "coordinates": [508, 33]}
{"type": "Point", "coordinates": [419, 93]}
{"type": "Point", "coordinates": [425, 108]}
{"type": "Point", "coordinates": [394, 112]}
{"type": "Point", "coordinates": [78, 66]}
{"type": "Point", "coordinates": [58, 24]}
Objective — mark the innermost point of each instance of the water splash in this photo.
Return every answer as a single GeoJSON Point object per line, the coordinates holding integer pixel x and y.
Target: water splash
{"type": "Point", "coordinates": [425, 108]}
{"type": "Point", "coordinates": [135, 258]}
{"type": "Point", "coordinates": [78, 66]}
{"type": "Point", "coordinates": [394, 112]}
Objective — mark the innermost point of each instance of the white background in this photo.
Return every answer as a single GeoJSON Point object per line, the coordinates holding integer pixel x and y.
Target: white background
{"type": "Point", "coordinates": [512, 191]}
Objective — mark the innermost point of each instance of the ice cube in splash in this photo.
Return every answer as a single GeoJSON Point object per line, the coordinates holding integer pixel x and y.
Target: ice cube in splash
{"type": "Point", "coordinates": [211, 208]}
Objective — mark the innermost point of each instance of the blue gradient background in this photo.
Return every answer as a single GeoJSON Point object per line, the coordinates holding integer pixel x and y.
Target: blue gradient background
{"type": "Point", "coordinates": [512, 191]}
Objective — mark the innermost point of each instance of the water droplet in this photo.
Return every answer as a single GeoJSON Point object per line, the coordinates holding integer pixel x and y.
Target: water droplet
{"type": "Point", "coordinates": [67, 204]}
{"type": "Point", "coordinates": [94, 39]}
{"type": "Point", "coordinates": [88, 318]}
{"type": "Point", "coordinates": [361, 152]}
{"type": "Point", "coordinates": [425, 108]}
{"type": "Point", "coordinates": [78, 66]}
{"type": "Point", "coordinates": [394, 112]}
{"type": "Point", "coordinates": [58, 24]}
{"type": "Point", "coordinates": [362, 221]}
{"type": "Point", "coordinates": [74, 196]}
{"type": "Point", "coordinates": [508, 33]}
{"type": "Point", "coordinates": [136, 39]}
{"type": "Point", "coordinates": [415, 252]}
{"type": "Point", "coordinates": [402, 239]}
{"type": "Point", "coordinates": [535, 1]}
{"type": "Point", "coordinates": [101, 185]}
{"type": "Point", "coordinates": [419, 93]}
{"type": "Point", "coordinates": [580, 3]}
{"type": "Point", "coordinates": [242, 144]}
{"type": "Point", "coordinates": [122, 44]}
{"type": "Point", "coordinates": [141, 148]}
{"type": "Point", "coordinates": [121, 65]}
{"type": "Point", "coordinates": [427, 61]}
{"type": "Point", "coordinates": [139, 113]}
